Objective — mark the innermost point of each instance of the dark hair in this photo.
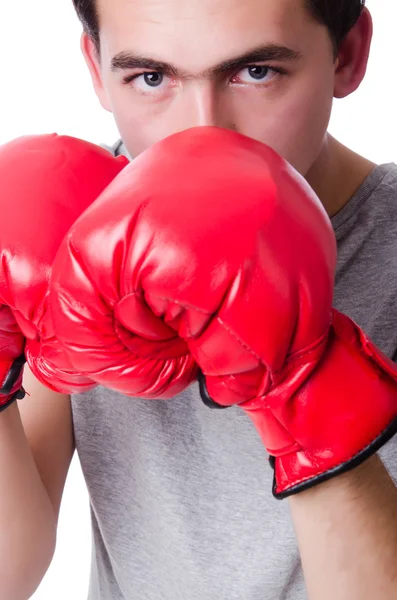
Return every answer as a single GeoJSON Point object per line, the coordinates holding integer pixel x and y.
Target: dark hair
{"type": "Point", "coordinates": [338, 16]}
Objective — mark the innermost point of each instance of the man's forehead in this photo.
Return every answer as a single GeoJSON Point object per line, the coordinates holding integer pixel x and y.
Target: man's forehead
{"type": "Point", "coordinates": [186, 9]}
{"type": "Point", "coordinates": [198, 19]}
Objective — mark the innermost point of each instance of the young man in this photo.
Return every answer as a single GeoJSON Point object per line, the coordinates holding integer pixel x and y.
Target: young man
{"type": "Point", "coordinates": [180, 495]}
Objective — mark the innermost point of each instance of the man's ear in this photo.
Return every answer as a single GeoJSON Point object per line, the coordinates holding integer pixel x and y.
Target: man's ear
{"type": "Point", "coordinates": [92, 59]}
{"type": "Point", "coordinates": [352, 60]}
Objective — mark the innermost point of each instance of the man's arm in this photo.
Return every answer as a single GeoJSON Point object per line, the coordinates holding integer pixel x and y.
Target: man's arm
{"type": "Point", "coordinates": [36, 448]}
{"type": "Point", "coordinates": [347, 534]}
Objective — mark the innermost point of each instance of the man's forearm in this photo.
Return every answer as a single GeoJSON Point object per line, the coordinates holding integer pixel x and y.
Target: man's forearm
{"type": "Point", "coordinates": [347, 534]}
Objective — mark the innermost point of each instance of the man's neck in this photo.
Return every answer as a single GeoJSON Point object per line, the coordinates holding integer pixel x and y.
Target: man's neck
{"type": "Point", "coordinates": [337, 174]}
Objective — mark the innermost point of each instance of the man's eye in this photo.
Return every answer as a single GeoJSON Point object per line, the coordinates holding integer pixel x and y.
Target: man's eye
{"type": "Point", "coordinates": [256, 74]}
{"type": "Point", "coordinates": [145, 82]}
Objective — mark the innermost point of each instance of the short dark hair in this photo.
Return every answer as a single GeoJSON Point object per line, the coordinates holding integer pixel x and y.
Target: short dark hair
{"type": "Point", "coordinates": [338, 16]}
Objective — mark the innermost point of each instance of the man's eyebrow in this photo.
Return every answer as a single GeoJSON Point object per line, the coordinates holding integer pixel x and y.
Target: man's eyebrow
{"type": "Point", "coordinates": [268, 53]}
{"type": "Point", "coordinates": [271, 52]}
{"type": "Point", "coordinates": [126, 60]}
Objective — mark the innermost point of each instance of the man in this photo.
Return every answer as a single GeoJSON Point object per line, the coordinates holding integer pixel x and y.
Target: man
{"type": "Point", "coordinates": [180, 495]}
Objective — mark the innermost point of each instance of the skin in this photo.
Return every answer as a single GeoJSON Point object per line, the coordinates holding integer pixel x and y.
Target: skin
{"type": "Point", "coordinates": [346, 528]}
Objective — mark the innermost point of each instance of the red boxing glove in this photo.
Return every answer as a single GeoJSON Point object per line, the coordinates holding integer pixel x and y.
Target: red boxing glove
{"type": "Point", "coordinates": [214, 236]}
{"type": "Point", "coordinates": [46, 182]}
{"type": "Point", "coordinates": [100, 316]}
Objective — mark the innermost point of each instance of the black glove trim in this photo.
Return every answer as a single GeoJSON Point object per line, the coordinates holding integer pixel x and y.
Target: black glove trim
{"type": "Point", "coordinates": [19, 395]}
{"type": "Point", "coordinates": [205, 397]}
{"type": "Point", "coordinates": [12, 375]}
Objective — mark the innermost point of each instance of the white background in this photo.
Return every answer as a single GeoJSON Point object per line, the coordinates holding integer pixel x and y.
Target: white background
{"type": "Point", "coordinates": [45, 87]}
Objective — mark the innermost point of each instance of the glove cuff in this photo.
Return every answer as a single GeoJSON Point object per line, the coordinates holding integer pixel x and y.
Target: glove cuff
{"type": "Point", "coordinates": [347, 410]}
{"type": "Point", "coordinates": [295, 473]}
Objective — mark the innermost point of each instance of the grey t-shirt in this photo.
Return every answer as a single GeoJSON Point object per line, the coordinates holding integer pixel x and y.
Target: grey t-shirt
{"type": "Point", "coordinates": [181, 501]}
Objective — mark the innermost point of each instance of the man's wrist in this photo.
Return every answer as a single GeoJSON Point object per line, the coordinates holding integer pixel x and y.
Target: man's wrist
{"type": "Point", "coordinates": [346, 529]}
{"type": "Point", "coordinates": [368, 477]}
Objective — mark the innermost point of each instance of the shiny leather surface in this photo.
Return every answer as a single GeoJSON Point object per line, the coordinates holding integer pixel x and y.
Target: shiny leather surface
{"type": "Point", "coordinates": [46, 182]}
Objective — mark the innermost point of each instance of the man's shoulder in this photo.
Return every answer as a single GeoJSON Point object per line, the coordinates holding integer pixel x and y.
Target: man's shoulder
{"type": "Point", "coordinates": [371, 206]}
{"type": "Point", "coordinates": [366, 275]}
{"type": "Point", "coordinates": [379, 198]}
{"type": "Point", "coordinates": [387, 176]}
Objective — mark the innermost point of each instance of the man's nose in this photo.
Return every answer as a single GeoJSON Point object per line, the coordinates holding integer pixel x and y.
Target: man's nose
{"type": "Point", "coordinates": [201, 106]}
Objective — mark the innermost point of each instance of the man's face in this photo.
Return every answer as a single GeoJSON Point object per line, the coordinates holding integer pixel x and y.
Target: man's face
{"type": "Point", "coordinates": [264, 68]}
